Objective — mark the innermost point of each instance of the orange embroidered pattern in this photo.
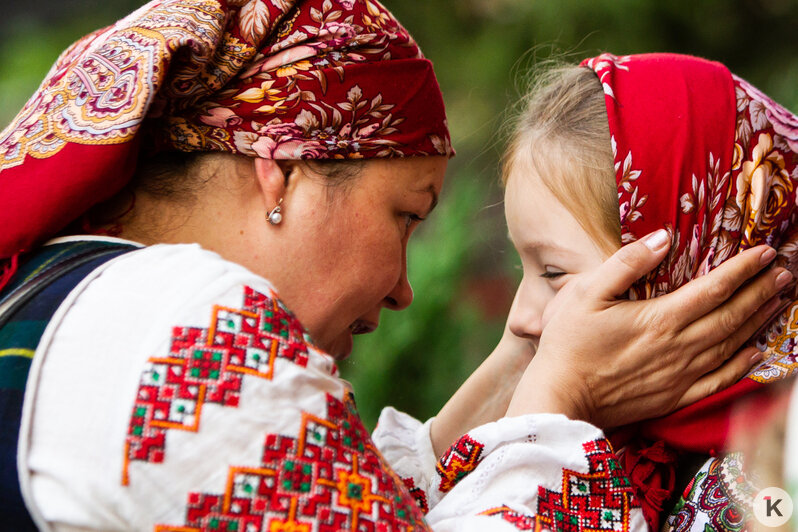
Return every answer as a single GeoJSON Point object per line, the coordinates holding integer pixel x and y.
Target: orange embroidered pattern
{"type": "Point", "coordinates": [330, 478]}
{"type": "Point", "coordinates": [517, 519]}
{"type": "Point", "coordinates": [206, 366]}
{"type": "Point", "coordinates": [458, 461]}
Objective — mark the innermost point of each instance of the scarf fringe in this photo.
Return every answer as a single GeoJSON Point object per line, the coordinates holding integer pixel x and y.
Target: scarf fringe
{"type": "Point", "coordinates": [9, 269]}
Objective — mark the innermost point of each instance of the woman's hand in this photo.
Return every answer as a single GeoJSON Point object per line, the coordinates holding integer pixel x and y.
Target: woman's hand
{"type": "Point", "coordinates": [613, 362]}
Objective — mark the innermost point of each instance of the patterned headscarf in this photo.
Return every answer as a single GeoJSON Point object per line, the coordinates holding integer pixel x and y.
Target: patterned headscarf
{"type": "Point", "coordinates": [278, 79]}
{"type": "Point", "coordinates": [712, 159]}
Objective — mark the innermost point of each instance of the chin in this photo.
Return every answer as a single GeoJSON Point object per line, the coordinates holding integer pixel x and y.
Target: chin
{"type": "Point", "coordinates": [341, 347]}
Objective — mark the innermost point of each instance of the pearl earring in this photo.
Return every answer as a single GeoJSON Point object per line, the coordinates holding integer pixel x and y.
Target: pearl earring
{"type": "Point", "coordinates": [275, 215]}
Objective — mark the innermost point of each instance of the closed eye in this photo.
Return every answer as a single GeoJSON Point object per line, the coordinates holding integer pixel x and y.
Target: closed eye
{"type": "Point", "coordinates": [412, 218]}
{"type": "Point", "coordinates": [551, 275]}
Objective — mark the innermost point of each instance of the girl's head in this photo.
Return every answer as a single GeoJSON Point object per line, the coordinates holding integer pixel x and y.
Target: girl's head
{"type": "Point", "coordinates": [621, 146]}
{"type": "Point", "coordinates": [561, 201]}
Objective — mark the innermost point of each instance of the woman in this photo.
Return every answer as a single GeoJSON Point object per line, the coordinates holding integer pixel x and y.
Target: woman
{"type": "Point", "coordinates": [662, 140]}
{"type": "Point", "coordinates": [170, 388]}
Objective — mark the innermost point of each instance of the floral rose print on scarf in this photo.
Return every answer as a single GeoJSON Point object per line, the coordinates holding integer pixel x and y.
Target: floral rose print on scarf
{"type": "Point", "coordinates": [709, 157]}
{"type": "Point", "coordinates": [317, 79]}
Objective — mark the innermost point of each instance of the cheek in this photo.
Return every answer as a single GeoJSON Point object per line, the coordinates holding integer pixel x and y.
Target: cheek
{"type": "Point", "coordinates": [371, 262]}
{"type": "Point", "coordinates": [557, 301]}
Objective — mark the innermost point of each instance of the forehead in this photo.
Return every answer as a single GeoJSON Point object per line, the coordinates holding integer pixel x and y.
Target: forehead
{"type": "Point", "coordinates": [409, 174]}
{"type": "Point", "coordinates": [528, 204]}
{"type": "Point", "coordinates": [538, 222]}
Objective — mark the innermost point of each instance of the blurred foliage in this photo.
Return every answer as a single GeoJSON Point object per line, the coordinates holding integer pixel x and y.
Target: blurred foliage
{"type": "Point", "coordinates": [482, 50]}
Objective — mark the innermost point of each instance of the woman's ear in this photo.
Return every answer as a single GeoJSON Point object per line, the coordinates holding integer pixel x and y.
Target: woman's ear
{"type": "Point", "coordinates": [272, 178]}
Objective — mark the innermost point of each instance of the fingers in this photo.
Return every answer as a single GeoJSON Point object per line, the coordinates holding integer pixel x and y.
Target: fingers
{"type": "Point", "coordinates": [629, 264]}
{"type": "Point", "coordinates": [716, 355]}
{"type": "Point", "coordinates": [737, 319]}
{"type": "Point", "coordinates": [723, 377]}
{"type": "Point", "coordinates": [702, 295]}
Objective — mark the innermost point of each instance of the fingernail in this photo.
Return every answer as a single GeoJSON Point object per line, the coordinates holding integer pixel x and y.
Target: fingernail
{"type": "Point", "coordinates": [756, 357]}
{"type": "Point", "coordinates": [768, 255]}
{"type": "Point", "coordinates": [656, 240]}
{"type": "Point", "coordinates": [783, 279]}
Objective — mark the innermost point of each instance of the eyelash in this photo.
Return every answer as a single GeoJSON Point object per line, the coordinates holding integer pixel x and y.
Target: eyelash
{"type": "Point", "coordinates": [552, 275]}
{"type": "Point", "coordinates": [412, 217]}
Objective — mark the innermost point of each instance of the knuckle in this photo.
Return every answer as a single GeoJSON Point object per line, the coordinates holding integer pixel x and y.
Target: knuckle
{"type": "Point", "coordinates": [764, 290]}
{"type": "Point", "coordinates": [723, 351]}
{"type": "Point", "coordinates": [709, 388]}
{"type": "Point", "coordinates": [714, 357]}
{"type": "Point", "coordinates": [661, 327]}
{"type": "Point", "coordinates": [729, 322]}
{"type": "Point", "coordinates": [717, 292]}
{"type": "Point", "coordinates": [630, 257]}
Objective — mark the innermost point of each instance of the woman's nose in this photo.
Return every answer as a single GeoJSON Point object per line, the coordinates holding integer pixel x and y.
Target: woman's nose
{"type": "Point", "coordinates": [401, 295]}
{"type": "Point", "coordinates": [525, 319]}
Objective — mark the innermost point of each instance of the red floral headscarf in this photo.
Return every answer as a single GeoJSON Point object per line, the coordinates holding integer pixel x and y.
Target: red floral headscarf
{"type": "Point", "coordinates": [712, 159]}
{"type": "Point", "coordinates": [279, 79]}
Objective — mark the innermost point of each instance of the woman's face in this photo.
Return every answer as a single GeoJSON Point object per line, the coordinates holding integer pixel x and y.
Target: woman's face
{"type": "Point", "coordinates": [347, 260]}
{"type": "Point", "coordinates": [553, 247]}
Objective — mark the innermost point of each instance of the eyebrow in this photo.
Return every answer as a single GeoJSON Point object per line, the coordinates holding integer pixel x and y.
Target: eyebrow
{"type": "Point", "coordinates": [542, 243]}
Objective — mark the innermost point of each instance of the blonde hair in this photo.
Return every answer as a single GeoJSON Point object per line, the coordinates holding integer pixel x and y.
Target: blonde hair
{"type": "Point", "coordinates": [563, 132]}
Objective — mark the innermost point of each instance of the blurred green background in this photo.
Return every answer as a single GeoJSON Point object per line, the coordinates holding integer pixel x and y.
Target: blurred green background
{"type": "Point", "coordinates": [460, 264]}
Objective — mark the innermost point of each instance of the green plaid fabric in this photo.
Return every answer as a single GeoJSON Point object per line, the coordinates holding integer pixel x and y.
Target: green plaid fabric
{"type": "Point", "coordinates": [40, 285]}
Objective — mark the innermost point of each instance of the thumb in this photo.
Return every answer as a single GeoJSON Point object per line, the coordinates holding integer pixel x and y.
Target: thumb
{"type": "Point", "coordinates": [629, 264]}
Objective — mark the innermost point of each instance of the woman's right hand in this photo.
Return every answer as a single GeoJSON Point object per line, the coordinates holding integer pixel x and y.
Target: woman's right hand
{"type": "Point", "coordinates": [611, 362]}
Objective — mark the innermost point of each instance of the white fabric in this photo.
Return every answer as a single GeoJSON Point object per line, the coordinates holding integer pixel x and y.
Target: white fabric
{"type": "Point", "coordinates": [520, 455]}
{"type": "Point", "coordinates": [87, 372]}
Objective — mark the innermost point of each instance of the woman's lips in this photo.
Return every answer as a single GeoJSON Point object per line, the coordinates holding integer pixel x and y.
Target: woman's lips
{"type": "Point", "coordinates": [362, 327]}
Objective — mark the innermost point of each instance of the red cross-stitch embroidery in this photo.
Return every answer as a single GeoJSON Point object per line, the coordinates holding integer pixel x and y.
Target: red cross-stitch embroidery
{"type": "Point", "coordinates": [206, 366]}
{"type": "Point", "coordinates": [417, 493]}
{"type": "Point", "coordinates": [458, 461]}
{"type": "Point", "coordinates": [600, 499]}
{"type": "Point", "coordinates": [330, 478]}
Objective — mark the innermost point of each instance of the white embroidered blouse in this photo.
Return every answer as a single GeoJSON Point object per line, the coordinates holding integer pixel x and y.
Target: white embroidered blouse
{"type": "Point", "coordinates": [172, 391]}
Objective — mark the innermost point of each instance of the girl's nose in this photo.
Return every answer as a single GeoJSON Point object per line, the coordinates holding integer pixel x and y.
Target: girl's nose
{"type": "Point", "coordinates": [525, 319]}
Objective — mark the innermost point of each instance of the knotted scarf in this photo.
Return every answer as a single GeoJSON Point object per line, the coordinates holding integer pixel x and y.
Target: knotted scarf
{"type": "Point", "coordinates": [278, 79]}
{"type": "Point", "coordinates": [712, 159]}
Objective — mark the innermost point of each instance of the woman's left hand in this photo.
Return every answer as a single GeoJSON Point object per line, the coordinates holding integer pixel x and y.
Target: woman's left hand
{"type": "Point", "coordinates": [613, 362]}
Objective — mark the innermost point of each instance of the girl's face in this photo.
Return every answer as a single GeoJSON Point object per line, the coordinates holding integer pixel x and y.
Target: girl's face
{"type": "Point", "coordinates": [554, 250]}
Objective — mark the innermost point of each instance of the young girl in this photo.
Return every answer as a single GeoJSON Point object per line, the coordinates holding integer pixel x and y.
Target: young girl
{"type": "Point", "coordinates": [608, 150]}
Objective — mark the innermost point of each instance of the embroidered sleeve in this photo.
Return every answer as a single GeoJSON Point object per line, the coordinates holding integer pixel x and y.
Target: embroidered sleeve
{"type": "Point", "coordinates": [405, 443]}
{"type": "Point", "coordinates": [526, 473]}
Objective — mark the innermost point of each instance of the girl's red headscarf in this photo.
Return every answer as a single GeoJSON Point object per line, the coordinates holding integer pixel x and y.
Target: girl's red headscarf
{"type": "Point", "coordinates": [278, 79]}
{"type": "Point", "coordinates": [712, 159]}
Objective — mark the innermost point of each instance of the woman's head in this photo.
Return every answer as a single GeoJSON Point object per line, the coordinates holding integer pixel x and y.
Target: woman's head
{"type": "Point", "coordinates": [275, 88]}
{"type": "Point", "coordinates": [339, 254]}
{"type": "Point", "coordinates": [691, 147]}
{"type": "Point", "coordinates": [295, 79]}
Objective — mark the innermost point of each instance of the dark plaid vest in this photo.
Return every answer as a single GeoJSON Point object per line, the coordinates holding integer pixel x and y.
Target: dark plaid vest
{"type": "Point", "coordinates": [42, 282]}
